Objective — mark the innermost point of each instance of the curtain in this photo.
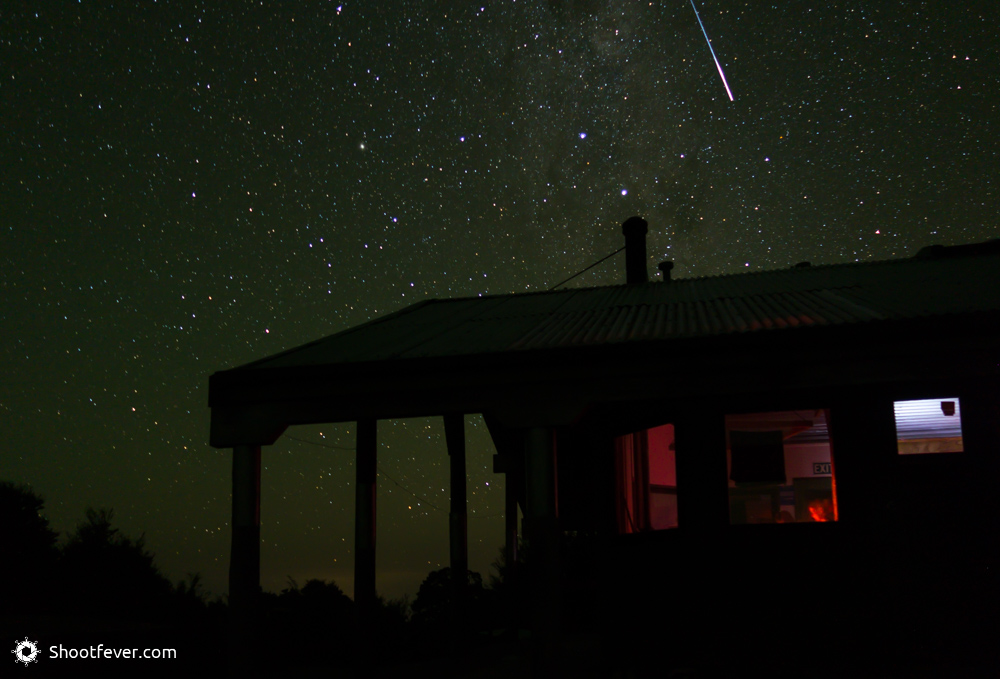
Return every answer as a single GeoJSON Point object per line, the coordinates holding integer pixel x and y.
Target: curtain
{"type": "Point", "coordinates": [632, 482]}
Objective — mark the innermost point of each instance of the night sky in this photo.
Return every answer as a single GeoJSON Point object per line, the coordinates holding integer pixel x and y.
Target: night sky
{"type": "Point", "coordinates": [190, 186]}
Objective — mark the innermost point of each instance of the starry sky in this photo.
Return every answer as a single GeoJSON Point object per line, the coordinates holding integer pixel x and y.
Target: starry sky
{"type": "Point", "coordinates": [189, 186]}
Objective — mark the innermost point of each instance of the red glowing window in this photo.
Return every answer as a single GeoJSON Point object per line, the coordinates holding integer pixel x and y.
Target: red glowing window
{"type": "Point", "coordinates": [647, 480]}
{"type": "Point", "coordinates": [780, 468]}
{"type": "Point", "coordinates": [930, 425]}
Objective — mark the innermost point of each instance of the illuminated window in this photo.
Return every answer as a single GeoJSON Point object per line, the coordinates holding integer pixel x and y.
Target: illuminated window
{"type": "Point", "coordinates": [780, 468]}
{"type": "Point", "coordinates": [931, 425]}
{"type": "Point", "coordinates": [647, 480]}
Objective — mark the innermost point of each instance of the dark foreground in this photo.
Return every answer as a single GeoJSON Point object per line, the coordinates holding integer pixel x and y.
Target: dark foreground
{"type": "Point", "coordinates": [202, 650]}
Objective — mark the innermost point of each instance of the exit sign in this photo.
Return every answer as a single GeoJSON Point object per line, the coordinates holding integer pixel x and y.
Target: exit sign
{"type": "Point", "coordinates": [822, 468]}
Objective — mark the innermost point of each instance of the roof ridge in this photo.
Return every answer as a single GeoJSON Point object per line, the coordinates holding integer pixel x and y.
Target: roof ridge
{"type": "Point", "coordinates": [937, 251]}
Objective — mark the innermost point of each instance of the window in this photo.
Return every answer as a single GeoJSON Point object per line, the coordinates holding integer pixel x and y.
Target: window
{"type": "Point", "coordinates": [931, 425]}
{"type": "Point", "coordinates": [780, 468]}
{"type": "Point", "coordinates": [647, 480]}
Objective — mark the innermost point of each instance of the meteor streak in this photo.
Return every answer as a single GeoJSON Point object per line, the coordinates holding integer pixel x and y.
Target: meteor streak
{"type": "Point", "coordinates": [721, 74]}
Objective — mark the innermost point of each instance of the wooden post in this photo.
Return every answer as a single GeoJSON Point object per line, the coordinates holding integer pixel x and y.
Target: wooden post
{"type": "Point", "coordinates": [454, 429]}
{"type": "Point", "coordinates": [511, 584]}
{"type": "Point", "coordinates": [702, 487]}
{"type": "Point", "coordinates": [874, 559]}
{"type": "Point", "coordinates": [364, 518]}
{"type": "Point", "coordinates": [510, 525]}
{"type": "Point", "coordinates": [244, 556]}
{"type": "Point", "coordinates": [542, 536]}
{"type": "Point", "coordinates": [510, 468]}
{"type": "Point", "coordinates": [244, 559]}
{"type": "Point", "coordinates": [863, 450]}
{"type": "Point", "coordinates": [981, 434]}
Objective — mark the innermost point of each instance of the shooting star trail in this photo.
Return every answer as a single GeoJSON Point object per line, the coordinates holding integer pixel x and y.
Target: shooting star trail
{"type": "Point", "coordinates": [721, 74]}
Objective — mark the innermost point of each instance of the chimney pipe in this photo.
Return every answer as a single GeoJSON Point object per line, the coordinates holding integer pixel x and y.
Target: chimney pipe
{"type": "Point", "coordinates": [665, 267]}
{"type": "Point", "coordinates": [635, 230]}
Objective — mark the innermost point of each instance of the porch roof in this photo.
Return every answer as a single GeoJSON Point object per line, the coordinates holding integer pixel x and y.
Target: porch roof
{"type": "Point", "coordinates": [478, 345]}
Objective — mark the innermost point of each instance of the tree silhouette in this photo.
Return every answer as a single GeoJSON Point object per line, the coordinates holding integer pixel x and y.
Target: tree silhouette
{"type": "Point", "coordinates": [28, 557]}
{"type": "Point", "coordinates": [431, 608]}
{"type": "Point", "coordinates": [105, 573]}
{"type": "Point", "coordinates": [506, 595]}
{"type": "Point", "coordinates": [315, 619]}
{"type": "Point", "coordinates": [502, 573]}
{"type": "Point", "coordinates": [317, 601]}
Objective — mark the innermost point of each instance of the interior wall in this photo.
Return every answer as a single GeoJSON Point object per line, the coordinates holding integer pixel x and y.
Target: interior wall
{"type": "Point", "coordinates": [662, 461]}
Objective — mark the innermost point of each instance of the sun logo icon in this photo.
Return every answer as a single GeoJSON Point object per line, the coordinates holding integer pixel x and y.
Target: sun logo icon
{"type": "Point", "coordinates": [26, 652]}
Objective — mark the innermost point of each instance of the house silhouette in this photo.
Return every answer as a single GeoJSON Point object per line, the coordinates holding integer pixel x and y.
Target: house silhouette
{"type": "Point", "coordinates": [780, 464]}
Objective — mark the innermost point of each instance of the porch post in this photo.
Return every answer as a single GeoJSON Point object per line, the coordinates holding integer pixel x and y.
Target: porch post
{"type": "Point", "coordinates": [454, 429]}
{"type": "Point", "coordinates": [542, 531]}
{"type": "Point", "coordinates": [702, 490]}
{"type": "Point", "coordinates": [510, 524]}
{"type": "Point", "coordinates": [244, 558]}
{"type": "Point", "coordinates": [364, 517]}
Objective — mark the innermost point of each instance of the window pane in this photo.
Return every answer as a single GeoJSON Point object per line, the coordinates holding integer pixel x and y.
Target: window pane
{"type": "Point", "coordinates": [780, 468]}
{"type": "Point", "coordinates": [932, 425]}
{"type": "Point", "coordinates": [662, 478]}
{"type": "Point", "coordinates": [647, 480]}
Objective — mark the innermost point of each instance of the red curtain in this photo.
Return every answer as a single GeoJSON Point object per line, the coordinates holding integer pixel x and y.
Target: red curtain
{"type": "Point", "coordinates": [632, 483]}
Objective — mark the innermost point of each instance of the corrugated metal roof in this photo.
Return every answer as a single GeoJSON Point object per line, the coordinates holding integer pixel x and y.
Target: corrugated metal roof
{"type": "Point", "coordinates": [741, 303]}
